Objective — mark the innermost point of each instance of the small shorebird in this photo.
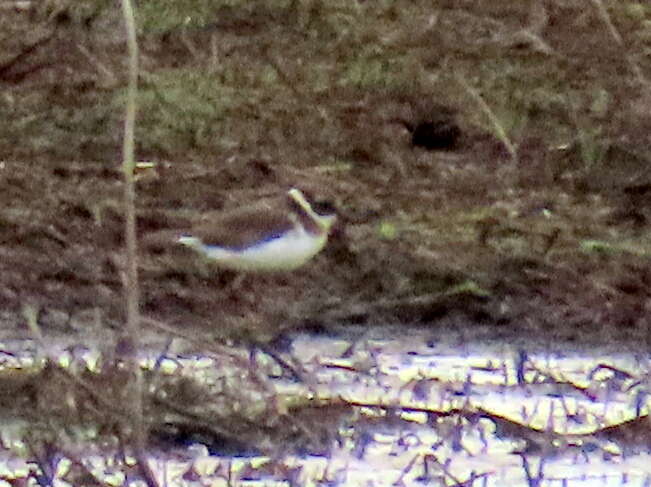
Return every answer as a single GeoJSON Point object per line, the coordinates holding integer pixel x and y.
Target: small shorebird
{"type": "Point", "coordinates": [264, 239]}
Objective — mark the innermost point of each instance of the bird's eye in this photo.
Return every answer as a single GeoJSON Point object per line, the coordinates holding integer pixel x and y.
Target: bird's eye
{"type": "Point", "coordinates": [324, 208]}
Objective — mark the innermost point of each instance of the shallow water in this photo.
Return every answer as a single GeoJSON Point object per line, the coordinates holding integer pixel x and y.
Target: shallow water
{"type": "Point", "coordinates": [428, 411]}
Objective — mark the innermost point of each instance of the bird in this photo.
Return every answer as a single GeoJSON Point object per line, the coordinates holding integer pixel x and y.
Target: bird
{"type": "Point", "coordinates": [263, 238]}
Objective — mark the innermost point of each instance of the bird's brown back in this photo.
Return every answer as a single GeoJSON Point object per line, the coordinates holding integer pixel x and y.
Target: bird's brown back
{"type": "Point", "coordinates": [241, 228]}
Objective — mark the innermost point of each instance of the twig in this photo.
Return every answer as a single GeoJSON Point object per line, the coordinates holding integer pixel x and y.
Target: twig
{"type": "Point", "coordinates": [26, 52]}
{"type": "Point", "coordinates": [108, 75]}
{"type": "Point", "coordinates": [500, 131]}
{"type": "Point", "coordinates": [614, 33]}
{"type": "Point", "coordinates": [131, 288]}
{"type": "Point", "coordinates": [128, 167]}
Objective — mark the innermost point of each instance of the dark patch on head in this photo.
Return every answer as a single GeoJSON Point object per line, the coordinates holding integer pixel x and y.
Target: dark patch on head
{"type": "Point", "coordinates": [324, 208]}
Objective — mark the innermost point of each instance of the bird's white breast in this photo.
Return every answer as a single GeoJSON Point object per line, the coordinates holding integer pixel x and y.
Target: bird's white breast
{"type": "Point", "coordinates": [284, 253]}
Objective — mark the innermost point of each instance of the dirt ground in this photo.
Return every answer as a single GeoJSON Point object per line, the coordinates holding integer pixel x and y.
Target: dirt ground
{"type": "Point", "coordinates": [488, 159]}
{"type": "Point", "coordinates": [525, 207]}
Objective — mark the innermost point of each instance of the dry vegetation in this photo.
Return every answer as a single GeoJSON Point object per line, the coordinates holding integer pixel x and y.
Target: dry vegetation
{"type": "Point", "coordinates": [528, 212]}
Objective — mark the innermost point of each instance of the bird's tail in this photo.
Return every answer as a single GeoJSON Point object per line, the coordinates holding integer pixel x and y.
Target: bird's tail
{"type": "Point", "coordinates": [190, 241]}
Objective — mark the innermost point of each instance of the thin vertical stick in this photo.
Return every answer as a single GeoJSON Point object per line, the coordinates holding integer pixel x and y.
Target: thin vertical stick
{"type": "Point", "coordinates": [128, 165]}
{"type": "Point", "coordinates": [132, 295]}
